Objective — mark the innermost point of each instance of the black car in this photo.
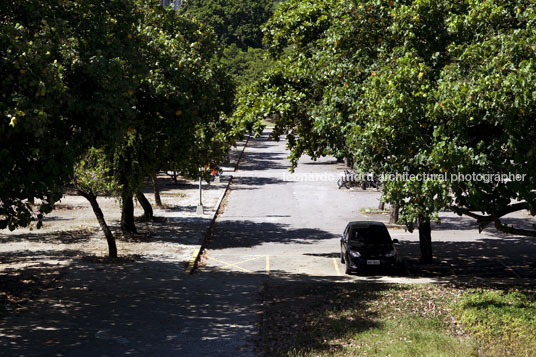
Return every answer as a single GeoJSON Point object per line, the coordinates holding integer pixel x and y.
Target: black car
{"type": "Point", "coordinates": [366, 244]}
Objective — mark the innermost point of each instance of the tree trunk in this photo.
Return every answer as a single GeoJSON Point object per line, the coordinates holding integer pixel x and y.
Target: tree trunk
{"type": "Point", "coordinates": [381, 206]}
{"type": "Point", "coordinates": [112, 248]}
{"type": "Point", "coordinates": [147, 209]}
{"type": "Point", "coordinates": [127, 215]}
{"type": "Point", "coordinates": [425, 240]}
{"type": "Point", "coordinates": [393, 218]}
{"type": "Point", "coordinates": [157, 199]}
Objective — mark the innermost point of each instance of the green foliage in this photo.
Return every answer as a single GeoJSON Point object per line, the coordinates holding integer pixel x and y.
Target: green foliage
{"type": "Point", "coordinates": [93, 174]}
{"type": "Point", "coordinates": [485, 106]}
{"type": "Point", "coordinates": [504, 323]}
{"type": "Point", "coordinates": [129, 77]}
{"type": "Point", "coordinates": [65, 77]}
{"type": "Point", "coordinates": [180, 120]}
{"type": "Point", "coordinates": [422, 87]}
{"type": "Point", "coordinates": [238, 27]}
{"type": "Point", "coordinates": [245, 66]}
{"type": "Point", "coordinates": [237, 22]}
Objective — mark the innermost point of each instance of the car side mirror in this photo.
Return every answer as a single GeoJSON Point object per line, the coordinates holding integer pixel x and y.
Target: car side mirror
{"type": "Point", "coordinates": [395, 241]}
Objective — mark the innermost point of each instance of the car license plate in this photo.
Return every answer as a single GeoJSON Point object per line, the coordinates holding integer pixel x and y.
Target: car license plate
{"type": "Point", "coordinates": [373, 262]}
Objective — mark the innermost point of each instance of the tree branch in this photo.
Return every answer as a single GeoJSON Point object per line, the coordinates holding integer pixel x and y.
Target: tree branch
{"type": "Point", "coordinates": [512, 230]}
{"type": "Point", "coordinates": [485, 220]}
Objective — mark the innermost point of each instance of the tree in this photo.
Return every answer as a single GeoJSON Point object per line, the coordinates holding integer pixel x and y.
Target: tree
{"type": "Point", "coordinates": [238, 27]}
{"type": "Point", "coordinates": [237, 22]}
{"type": "Point", "coordinates": [485, 112]}
{"type": "Point", "coordinates": [92, 176]}
{"type": "Point", "coordinates": [179, 106]}
{"type": "Point", "coordinates": [31, 92]}
{"type": "Point", "coordinates": [245, 66]}
{"type": "Point", "coordinates": [392, 85]}
{"type": "Point", "coordinates": [131, 78]}
{"type": "Point", "coordinates": [66, 87]}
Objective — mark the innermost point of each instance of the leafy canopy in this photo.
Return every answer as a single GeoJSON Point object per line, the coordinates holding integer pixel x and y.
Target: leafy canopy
{"type": "Point", "coordinates": [423, 87]}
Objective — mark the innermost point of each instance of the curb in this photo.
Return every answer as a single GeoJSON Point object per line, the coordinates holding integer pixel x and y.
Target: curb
{"type": "Point", "coordinates": [232, 168]}
{"type": "Point", "coordinates": [241, 153]}
{"type": "Point", "coordinates": [198, 252]}
{"type": "Point", "coordinates": [395, 226]}
{"type": "Point", "coordinates": [194, 260]}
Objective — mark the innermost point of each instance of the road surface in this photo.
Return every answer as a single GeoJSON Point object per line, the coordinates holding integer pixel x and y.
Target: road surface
{"type": "Point", "coordinates": [275, 228]}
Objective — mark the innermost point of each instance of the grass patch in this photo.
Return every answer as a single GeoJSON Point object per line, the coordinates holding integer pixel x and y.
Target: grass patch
{"type": "Point", "coordinates": [362, 319]}
{"type": "Point", "coordinates": [503, 322]}
{"type": "Point", "coordinates": [375, 211]}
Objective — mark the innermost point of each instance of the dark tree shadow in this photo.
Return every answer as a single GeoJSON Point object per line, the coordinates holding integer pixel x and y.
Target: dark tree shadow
{"type": "Point", "coordinates": [260, 161]}
{"type": "Point", "coordinates": [254, 183]}
{"type": "Point", "coordinates": [487, 260]}
{"type": "Point", "coordinates": [243, 233]}
{"type": "Point", "coordinates": [296, 306]}
{"type": "Point", "coordinates": [65, 237]}
{"type": "Point", "coordinates": [149, 307]}
{"type": "Point", "coordinates": [145, 307]}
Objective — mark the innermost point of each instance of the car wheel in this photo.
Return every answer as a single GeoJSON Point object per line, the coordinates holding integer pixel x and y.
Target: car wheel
{"type": "Point", "coordinates": [347, 269]}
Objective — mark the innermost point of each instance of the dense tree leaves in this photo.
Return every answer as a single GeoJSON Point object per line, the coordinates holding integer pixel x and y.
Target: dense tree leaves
{"type": "Point", "coordinates": [486, 108]}
{"type": "Point", "coordinates": [237, 22]}
{"type": "Point", "coordinates": [137, 82]}
{"type": "Point", "coordinates": [66, 80]}
{"type": "Point", "coordinates": [419, 87]}
{"type": "Point", "coordinates": [245, 66]}
{"type": "Point", "coordinates": [181, 100]}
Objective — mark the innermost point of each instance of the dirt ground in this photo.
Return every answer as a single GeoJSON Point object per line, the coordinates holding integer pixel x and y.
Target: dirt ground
{"type": "Point", "coordinates": [32, 259]}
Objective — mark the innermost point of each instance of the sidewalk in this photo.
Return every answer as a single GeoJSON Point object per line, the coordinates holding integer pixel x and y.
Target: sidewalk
{"type": "Point", "coordinates": [60, 295]}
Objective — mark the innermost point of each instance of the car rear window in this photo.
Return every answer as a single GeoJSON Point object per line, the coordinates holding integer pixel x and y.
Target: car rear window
{"type": "Point", "coordinates": [370, 235]}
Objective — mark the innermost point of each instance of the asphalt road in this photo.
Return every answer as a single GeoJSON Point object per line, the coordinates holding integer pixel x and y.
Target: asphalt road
{"type": "Point", "coordinates": [278, 227]}
{"type": "Point", "coordinates": [279, 223]}
{"type": "Point", "coordinates": [275, 228]}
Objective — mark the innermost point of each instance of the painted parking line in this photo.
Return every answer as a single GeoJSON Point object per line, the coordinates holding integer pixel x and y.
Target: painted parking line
{"type": "Point", "coordinates": [235, 264]}
{"type": "Point", "coordinates": [273, 265]}
{"type": "Point", "coordinates": [191, 262]}
{"type": "Point", "coordinates": [227, 264]}
{"type": "Point", "coordinates": [336, 265]}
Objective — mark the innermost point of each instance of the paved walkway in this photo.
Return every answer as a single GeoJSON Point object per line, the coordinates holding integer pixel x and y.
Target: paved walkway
{"type": "Point", "coordinates": [274, 229]}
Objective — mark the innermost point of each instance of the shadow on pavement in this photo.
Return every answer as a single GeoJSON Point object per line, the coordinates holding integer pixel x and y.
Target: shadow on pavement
{"type": "Point", "coordinates": [457, 223]}
{"type": "Point", "coordinates": [260, 161]}
{"type": "Point", "coordinates": [254, 183]}
{"type": "Point", "coordinates": [243, 233]}
{"type": "Point", "coordinates": [65, 237]}
{"type": "Point", "coordinates": [504, 261]}
{"type": "Point", "coordinates": [132, 307]}
{"type": "Point", "coordinates": [141, 307]}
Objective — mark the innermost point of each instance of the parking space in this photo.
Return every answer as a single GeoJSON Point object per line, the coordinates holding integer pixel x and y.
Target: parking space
{"type": "Point", "coordinates": [277, 223]}
{"type": "Point", "coordinates": [268, 264]}
{"type": "Point", "coordinates": [329, 265]}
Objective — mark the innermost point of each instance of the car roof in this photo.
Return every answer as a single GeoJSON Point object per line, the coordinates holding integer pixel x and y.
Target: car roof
{"type": "Point", "coordinates": [364, 224]}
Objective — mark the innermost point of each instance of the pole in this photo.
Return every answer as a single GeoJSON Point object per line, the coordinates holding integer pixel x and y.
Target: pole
{"type": "Point", "coordinates": [200, 205]}
{"type": "Point", "coordinates": [200, 191]}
